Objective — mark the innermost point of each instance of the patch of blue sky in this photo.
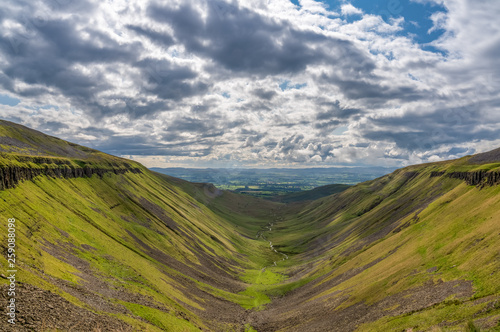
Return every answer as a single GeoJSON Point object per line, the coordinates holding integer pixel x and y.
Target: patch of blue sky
{"type": "Point", "coordinates": [389, 55]}
{"type": "Point", "coordinates": [413, 77]}
{"type": "Point", "coordinates": [286, 85]}
{"type": "Point", "coordinates": [9, 101]}
{"type": "Point", "coordinates": [417, 17]}
{"type": "Point", "coordinates": [339, 130]}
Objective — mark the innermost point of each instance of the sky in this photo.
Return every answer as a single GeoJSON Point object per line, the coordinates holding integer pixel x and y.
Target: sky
{"type": "Point", "coordinates": [257, 83]}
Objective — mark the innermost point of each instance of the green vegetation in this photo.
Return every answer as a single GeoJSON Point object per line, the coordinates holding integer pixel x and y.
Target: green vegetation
{"type": "Point", "coordinates": [416, 249]}
{"type": "Point", "coordinates": [310, 195]}
{"type": "Point", "coordinates": [262, 277]}
{"type": "Point", "coordinates": [160, 319]}
{"type": "Point", "coordinates": [249, 328]}
{"type": "Point", "coordinates": [283, 185]}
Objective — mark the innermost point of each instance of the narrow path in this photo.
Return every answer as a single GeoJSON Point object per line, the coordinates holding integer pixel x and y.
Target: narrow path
{"type": "Point", "coordinates": [269, 228]}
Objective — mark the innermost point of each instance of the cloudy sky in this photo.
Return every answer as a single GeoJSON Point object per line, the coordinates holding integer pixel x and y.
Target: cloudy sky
{"type": "Point", "coordinates": [259, 83]}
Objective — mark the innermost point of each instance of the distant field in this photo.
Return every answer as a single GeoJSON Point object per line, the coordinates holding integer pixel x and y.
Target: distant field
{"type": "Point", "coordinates": [274, 181]}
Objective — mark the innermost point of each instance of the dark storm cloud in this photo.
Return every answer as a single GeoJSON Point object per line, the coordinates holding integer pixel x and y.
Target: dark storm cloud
{"type": "Point", "coordinates": [48, 59]}
{"type": "Point", "coordinates": [264, 94]}
{"type": "Point", "coordinates": [270, 144]}
{"type": "Point", "coordinates": [58, 40]}
{"type": "Point", "coordinates": [134, 108]}
{"type": "Point", "coordinates": [189, 125]}
{"type": "Point", "coordinates": [456, 151]}
{"type": "Point", "coordinates": [82, 135]}
{"type": "Point", "coordinates": [161, 38]}
{"type": "Point", "coordinates": [58, 47]}
{"type": "Point", "coordinates": [6, 82]}
{"type": "Point", "coordinates": [251, 140]}
{"type": "Point", "coordinates": [70, 6]}
{"type": "Point", "coordinates": [66, 43]}
{"type": "Point", "coordinates": [100, 133]}
{"type": "Point", "coordinates": [171, 136]}
{"type": "Point", "coordinates": [200, 108]}
{"type": "Point", "coordinates": [333, 115]}
{"type": "Point", "coordinates": [52, 73]}
{"type": "Point", "coordinates": [46, 56]}
{"type": "Point", "coordinates": [421, 132]}
{"type": "Point", "coordinates": [371, 89]}
{"type": "Point", "coordinates": [145, 146]}
{"type": "Point", "coordinates": [287, 145]}
{"type": "Point", "coordinates": [205, 127]}
{"type": "Point", "coordinates": [169, 81]}
{"type": "Point", "coordinates": [327, 124]}
{"type": "Point", "coordinates": [255, 105]}
{"type": "Point", "coordinates": [243, 41]}
{"type": "Point", "coordinates": [30, 92]}
{"type": "Point", "coordinates": [245, 131]}
{"type": "Point", "coordinates": [53, 126]}
{"type": "Point", "coordinates": [335, 111]}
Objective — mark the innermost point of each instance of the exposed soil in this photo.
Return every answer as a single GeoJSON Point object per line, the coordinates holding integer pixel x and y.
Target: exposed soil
{"type": "Point", "coordinates": [39, 310]}
{"type": "Point", "coordinates": [217, 312]}
{"type": "Point", "coordinates": [486, 157]}
{"type": "Point", "coordinates": [98, 293]}
{"type": "Point", "coordinates": [94, 289]}
{"type": "Point", "coordinates": [295, 313]}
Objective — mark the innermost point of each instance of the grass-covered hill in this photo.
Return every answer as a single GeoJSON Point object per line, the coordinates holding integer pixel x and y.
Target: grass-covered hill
{"type": "Point", "coordinates": [104, 244]}
{"type": "Point", "coordinates": [310, 195]}
{"type": "Point", "coordinates": [417, 249]}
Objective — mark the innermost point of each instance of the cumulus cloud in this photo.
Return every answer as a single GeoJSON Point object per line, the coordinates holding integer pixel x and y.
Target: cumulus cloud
{"type": "Point", "coordinates": [251, 82]}
{"type": "Point", "coordinates": [349, 9]}
{"type": "Point", "coordinates": [438, 20]}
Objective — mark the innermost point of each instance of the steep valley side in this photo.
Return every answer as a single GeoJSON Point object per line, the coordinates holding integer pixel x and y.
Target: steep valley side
{"type": "Point", "coordinates": [104, 244]}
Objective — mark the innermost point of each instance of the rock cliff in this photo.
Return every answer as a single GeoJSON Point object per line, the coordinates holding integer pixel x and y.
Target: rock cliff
{"type": "Point", "coordinates": [479, 178]}
{"type": "Point", "coordinates": [11, 175]}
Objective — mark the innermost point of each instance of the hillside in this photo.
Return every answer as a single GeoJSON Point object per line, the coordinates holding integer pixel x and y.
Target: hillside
{"type": "Point", "coordinates": [104, 244]}
{"type": "Point", "coordinates": [102, 241]}
{"type": "Point", "coordinates": [418, 248]}
{"type": "Point", "coordinates": [310, 195]}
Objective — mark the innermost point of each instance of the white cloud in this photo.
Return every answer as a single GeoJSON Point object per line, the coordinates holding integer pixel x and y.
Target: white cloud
{"type": "Point", "coordinates": [438, 20]}
{"type": "Point", "coordinates": [348, 9]}
{"type": "Point", "coordinates": [142, 79]}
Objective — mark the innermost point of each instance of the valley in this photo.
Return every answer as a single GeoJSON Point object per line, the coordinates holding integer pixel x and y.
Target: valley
{"type": "Point", "coordinates": [104, 244]}
{"type": "Point", "coordinates": [276, 183]}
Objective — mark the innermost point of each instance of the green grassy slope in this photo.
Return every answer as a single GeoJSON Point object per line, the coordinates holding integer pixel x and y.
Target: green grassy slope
{"type": "Point", "coordinates": [132, 246]}
{"type": "Point", "coordinates": [310, 195]}
{"type": "Point", "coordinates": [105, 244]}
{"type": "Point", "coordinates": [416, 249]}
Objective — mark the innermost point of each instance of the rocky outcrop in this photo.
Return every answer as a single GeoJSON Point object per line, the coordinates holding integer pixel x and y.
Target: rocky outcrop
{"type": "Point", "coordinates": [437, 174]}
{"type": "Point", "coordinates": [10, 176]}
{"type": "Point", "coordinates": [471, 178]}
{"type": "Point", "coordinates": [493, 178]}
{"type": "Point", "coordinates": [479, 178]}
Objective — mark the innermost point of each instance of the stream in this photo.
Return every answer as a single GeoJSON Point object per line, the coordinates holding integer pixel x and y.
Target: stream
{"type": "Point", "coordinates": [260, 234]}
